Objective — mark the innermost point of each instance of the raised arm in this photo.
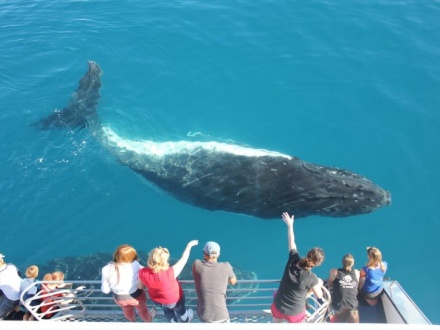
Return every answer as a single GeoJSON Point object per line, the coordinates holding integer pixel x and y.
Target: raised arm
{"type": "Point", "coordinates": [288, 220]}
{"type": "Point", "coordinates": [178, 266]}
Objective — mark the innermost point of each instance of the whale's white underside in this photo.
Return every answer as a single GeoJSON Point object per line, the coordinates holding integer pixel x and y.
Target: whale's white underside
{"type": "Point", "coordinates": [160, 149]}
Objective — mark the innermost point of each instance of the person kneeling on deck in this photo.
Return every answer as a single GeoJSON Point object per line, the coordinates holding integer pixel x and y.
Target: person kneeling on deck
{"type": "Point", "coordinates": [211, 280]}
{"type": "Point", "coordinates": [298, 280]}
{"type": "Point", "coordinates": [343, 283]}
{"type": "Point", "coordinates": [371, 276]}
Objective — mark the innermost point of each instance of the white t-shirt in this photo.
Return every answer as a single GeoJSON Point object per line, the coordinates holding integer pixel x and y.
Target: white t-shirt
{"type": "Point", "coordinates": [10, 282]}
{"type": "Point", "coordinates": [128, 278]}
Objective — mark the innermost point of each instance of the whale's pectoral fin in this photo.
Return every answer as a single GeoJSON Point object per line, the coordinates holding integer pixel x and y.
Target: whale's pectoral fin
{"type": "Point", "coordinates": [81, 109]}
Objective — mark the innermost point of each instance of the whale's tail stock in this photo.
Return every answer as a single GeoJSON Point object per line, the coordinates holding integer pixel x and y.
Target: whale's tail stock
{"type": "Point", "coordinates": [80, 111]}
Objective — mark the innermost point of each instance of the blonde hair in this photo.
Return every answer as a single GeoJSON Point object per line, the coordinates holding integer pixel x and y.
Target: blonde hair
{"type": "Point", "coordinates": [47, 277]}
{"type": "Point", "coordinates": [158, 259]}
{"type": "Point", "coordinates": [314, 257]}
{"type": "Point", "coordinates": [32, 271]}
{"type": "Point", "coordinates": [348, 261]}
{"type": "Point", "coordinates": [57, 276]}
{"type": "Point", "coordinates": [375, 258]}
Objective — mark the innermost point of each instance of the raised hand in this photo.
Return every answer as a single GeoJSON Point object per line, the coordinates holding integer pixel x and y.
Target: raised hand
{"type": "Point", "coordinates": [193, 243]}
{"type": "Point", "coordinates": [288, 220]}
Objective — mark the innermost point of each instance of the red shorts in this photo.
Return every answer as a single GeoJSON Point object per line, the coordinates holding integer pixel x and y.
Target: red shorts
{"type": "Point", "coordinates": [289, 318]}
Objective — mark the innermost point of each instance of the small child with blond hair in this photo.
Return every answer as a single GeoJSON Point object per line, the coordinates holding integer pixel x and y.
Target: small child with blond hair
{"type": "Point", "coordinates": [29, 289]}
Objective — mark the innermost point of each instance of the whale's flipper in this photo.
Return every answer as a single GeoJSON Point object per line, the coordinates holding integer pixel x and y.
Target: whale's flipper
{"type": "Point", "coordinates": [81, 109]}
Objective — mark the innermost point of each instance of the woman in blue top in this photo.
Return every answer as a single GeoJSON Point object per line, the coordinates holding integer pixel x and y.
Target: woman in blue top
{"type": "Point", "coordinates": [371, 276]}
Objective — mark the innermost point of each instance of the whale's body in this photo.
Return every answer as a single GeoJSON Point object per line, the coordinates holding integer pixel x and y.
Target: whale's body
{"type": "Point", "coordinates": [222, 176]}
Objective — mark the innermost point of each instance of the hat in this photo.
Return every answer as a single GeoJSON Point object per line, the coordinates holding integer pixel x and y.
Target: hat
{"type": "Point", "coordinates": [212, 249]}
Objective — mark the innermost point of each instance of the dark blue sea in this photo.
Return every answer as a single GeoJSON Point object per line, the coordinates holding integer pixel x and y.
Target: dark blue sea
{"type": "Point", "coordinates": [351, 84]}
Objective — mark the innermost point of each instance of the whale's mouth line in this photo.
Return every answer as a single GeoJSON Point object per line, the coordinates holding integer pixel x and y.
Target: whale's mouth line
{"type": "Point", "coordinates": [350, 181]}
{"type": "Point", "coordinates": [334, 173]}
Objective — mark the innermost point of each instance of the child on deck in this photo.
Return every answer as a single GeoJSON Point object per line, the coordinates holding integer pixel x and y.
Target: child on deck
{"type": "Point", "coordinates": [31, 275]}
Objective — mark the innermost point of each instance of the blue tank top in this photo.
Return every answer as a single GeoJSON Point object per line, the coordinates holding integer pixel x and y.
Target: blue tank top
{"type": "Point", "coordinates": [373, 279]}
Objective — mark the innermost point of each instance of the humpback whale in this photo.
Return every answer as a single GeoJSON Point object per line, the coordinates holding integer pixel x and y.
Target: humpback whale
{"type": "Point", "coordinates": [224, 176]}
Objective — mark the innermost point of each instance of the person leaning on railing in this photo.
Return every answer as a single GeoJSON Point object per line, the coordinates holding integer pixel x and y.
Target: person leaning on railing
{"type": "Point", "coordinates": [163, 286]}
{"type": "Point", "coordinates": [298, 279]}
{"type": "Point", "coordinates": [27, 286]}
{"type": "Point", "coordinates": [121, 278]}
{"type": "Point", "coordinates": [211, 280]}
{"type": "Point", "coordinates": [54, 295]}
{"type": "Point", "coordinates": [10, 282]}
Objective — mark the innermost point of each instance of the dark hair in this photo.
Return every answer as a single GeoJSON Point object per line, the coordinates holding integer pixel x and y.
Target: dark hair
{"type": "Point", "coordinates": [347, 316]}
{"type": "Point", "coordinates": [314, 257]}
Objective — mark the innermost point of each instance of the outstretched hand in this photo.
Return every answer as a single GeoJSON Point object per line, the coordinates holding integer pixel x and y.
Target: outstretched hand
{"type": "Point", "coordinates": [288, 220]}
{"type": "Point", "coordinates": [193, 243]}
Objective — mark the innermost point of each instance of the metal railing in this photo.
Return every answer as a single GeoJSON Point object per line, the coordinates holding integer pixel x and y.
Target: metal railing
{"type": "Point", "coordinates": [247, 301]}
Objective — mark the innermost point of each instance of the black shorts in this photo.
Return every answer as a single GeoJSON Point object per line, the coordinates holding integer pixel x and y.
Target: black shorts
{"type": "Point", "coordinates": [372, 295]}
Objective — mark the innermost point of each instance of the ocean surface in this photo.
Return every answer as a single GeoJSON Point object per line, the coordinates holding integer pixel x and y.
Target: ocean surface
{"type": "Point", "coordinates": [352, 84]}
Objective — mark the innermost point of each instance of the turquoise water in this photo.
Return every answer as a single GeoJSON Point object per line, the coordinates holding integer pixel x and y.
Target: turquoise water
{"type": "Point", "coordinates": [352, 84]}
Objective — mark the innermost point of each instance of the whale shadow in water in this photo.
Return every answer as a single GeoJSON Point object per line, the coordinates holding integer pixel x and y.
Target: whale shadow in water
{"type": "Point", "coordinates": [224, 176]}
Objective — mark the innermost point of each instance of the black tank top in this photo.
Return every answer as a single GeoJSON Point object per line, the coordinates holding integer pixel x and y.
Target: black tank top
{"type": "Point", "coordinates": [345, 289]}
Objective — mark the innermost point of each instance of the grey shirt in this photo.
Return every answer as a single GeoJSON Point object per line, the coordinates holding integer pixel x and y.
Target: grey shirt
{"type": "Point", "coordinates": [211, 280]}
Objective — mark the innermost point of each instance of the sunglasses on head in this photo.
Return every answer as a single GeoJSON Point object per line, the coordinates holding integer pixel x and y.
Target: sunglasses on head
{"type": "Point", "coordinates": [369, 248]}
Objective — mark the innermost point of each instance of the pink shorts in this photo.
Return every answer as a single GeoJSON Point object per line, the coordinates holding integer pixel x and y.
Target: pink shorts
{"type": "Point", "coordinates": [289, 318]}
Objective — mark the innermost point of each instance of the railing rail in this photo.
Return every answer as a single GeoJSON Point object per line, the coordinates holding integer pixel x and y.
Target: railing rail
{"type": "Point", "coordinates": [247, 297]}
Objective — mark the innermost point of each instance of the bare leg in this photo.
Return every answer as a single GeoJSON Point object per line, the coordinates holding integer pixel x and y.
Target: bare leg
{"type": "Point", "coordinates": [372, 302]}
{"type": "Point", "coordinates": [275, 320]}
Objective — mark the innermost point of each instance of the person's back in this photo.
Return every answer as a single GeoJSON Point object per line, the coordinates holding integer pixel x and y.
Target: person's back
{"type": "Point", "coordinates": [371, 276]}
{"type": "Point", "coordinates": [120, 277]}
{"type": "Point", "coordinates": [211, 280]}
{"type": "Point", "coordinates": [10, 282]}
{"type": "Point", "coordinates": [345, 289]}
{"type": "Point", "coordinates": [163, 286]}
{"type": "Point", "coordinates": [29, 289]}
{"type": "Point", "coordinates": [289, 302]}
{"type": "Point", "coordinates": [294, 286]}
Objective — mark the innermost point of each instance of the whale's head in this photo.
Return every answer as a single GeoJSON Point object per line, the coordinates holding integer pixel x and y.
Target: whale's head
{"type": "Point", "coordinates": [341, 193]}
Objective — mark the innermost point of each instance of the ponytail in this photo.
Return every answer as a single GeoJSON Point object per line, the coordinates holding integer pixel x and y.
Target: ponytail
{"type": "Point", "coordinates": [314, 257]}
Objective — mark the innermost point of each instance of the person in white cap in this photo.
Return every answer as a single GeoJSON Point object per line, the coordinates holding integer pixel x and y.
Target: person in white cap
{"type": "Point", "coordinates": [211, 280]}
{"type": "Point", "coordinates": [10, 283]}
